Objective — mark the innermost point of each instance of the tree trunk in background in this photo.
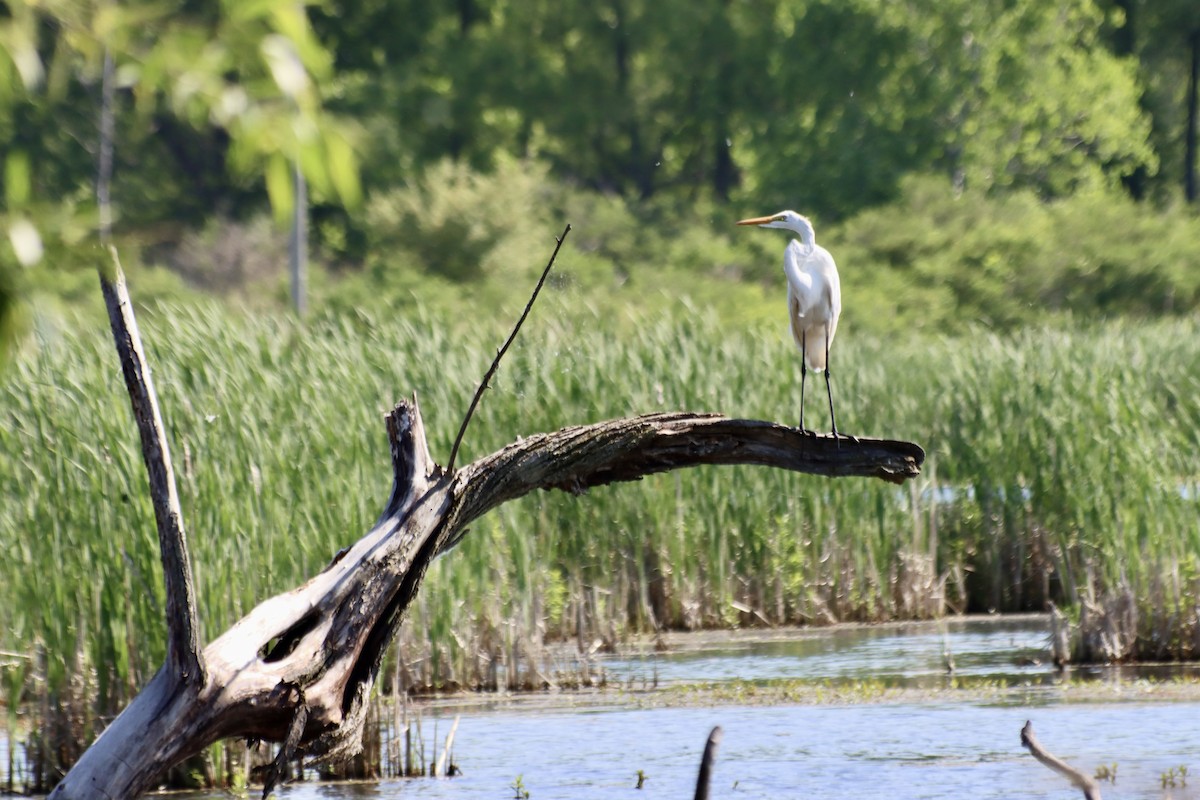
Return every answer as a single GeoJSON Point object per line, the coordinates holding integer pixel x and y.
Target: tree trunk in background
{"type": "Point", "coordinates": [298, 241]}
{"type": "Point", "coordinates": [1189, 167]}
{"type": "Point", "coordinates": [1124, 38]}
{"type": "Point", "coordinates": [467, 14]}
{"type": "Point", "coordinates": [1124, 43]}
{"type": "Point", "coordinates": [725, 172]}
{"type": "Point", "coordinates": [725, 176]}
{"type": "Point", "coordinates": [637, 163]}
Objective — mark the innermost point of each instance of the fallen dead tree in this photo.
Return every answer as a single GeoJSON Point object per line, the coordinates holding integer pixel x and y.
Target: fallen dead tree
{"type": "Point", "coordinates": [299, 668]}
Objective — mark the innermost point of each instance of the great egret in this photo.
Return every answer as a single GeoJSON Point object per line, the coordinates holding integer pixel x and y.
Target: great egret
{"type": "Point", "coordinates": [814, 298]}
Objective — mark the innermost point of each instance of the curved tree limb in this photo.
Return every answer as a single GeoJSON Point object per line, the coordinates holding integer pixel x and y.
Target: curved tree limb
{"type": "Point", "coordinates": [322, 644]}
{"type": "Point", "coordinates": [577, 458]}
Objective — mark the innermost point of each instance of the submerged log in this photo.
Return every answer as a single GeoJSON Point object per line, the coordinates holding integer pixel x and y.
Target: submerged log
{"type": "Point", "coordinates": [299, 668]}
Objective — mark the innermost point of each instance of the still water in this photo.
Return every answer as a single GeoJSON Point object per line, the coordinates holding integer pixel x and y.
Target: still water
{"type": "Point", "coordinates": [868, 751]}
{"type": "Point", "coordinates": [568, 746]}
{"type": "Point", "coordinates": [913, 750]}
{"type": "Point", "coordinates": [1010, 649]}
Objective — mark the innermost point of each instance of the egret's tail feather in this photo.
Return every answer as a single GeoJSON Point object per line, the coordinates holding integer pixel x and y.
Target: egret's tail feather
{"type": "Point", "coordinates": [815, 351]}
{"type": "Point", "coordinates": [809, 337]}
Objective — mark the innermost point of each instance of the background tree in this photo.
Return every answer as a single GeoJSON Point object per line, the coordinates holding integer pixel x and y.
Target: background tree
{"type": "Point", "coordinates": [672, 108]}
{"type": "Point", "coordinates": [1163, 36]}
{"type": "Point", "coordinates": [213, 98]}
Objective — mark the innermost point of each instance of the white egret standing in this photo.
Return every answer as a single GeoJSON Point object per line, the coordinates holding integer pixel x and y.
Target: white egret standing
{"type": "Point", "coordinates": [814, 298]}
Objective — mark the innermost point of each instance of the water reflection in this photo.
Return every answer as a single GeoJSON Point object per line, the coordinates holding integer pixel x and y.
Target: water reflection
{"type": "Point", "coordinates": [913, 654]}
{"type": "Point", "coordinates": [343, 791]}
{"type": "Point", "coordinates": [1012, 650]}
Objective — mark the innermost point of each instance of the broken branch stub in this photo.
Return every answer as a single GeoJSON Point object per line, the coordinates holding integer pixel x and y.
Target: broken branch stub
{"type": "Point", "coordinates": [183, 638]}
{"type": "Point", "coordinates": [704, 777]}
{"type": "Point", "coordinates": [304, 662]}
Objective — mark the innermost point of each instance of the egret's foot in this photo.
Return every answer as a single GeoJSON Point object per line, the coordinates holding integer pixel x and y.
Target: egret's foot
{"type": "Point", "coordinates": [839, 436]}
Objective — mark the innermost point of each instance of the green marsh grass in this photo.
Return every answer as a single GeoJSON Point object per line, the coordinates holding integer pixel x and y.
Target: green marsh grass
{"type": "Point", "coordinates": [1062, 465]}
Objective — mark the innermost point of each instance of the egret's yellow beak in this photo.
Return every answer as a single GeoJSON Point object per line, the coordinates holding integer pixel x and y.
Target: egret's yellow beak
{"type": "Point", "coordinates": [758, 220]}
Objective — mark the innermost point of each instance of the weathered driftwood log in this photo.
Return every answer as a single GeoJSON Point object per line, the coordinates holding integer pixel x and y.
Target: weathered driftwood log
{"type": "Point", "coordinates": [299, 667]}
{"type": "Point", "coordinates": [1079, 779]}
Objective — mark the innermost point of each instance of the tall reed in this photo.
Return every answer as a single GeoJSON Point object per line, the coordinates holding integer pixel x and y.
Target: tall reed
{"type": "Point", "coordinates": [1063, 464]}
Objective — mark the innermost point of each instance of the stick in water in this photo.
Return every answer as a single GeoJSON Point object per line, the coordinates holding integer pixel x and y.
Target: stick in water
{"type": "Point", "coordinates": [710, 755]}
{"type": "Point", "coordinates": [1091, 790]}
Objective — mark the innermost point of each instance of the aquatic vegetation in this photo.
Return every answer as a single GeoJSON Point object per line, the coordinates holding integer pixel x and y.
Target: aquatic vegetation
{"type": "Point", "coordinates": [1063, 464]}
{"type": "Point", "coordinates": [1175, 777]}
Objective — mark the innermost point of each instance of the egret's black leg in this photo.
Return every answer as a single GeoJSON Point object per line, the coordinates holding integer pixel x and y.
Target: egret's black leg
{"type": "Point", "coordinates": [828, 388]}
{"type": "Point", "coordinates": [803, 376]}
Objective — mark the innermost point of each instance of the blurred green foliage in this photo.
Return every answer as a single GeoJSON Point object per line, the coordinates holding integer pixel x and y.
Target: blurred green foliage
{"type": "Point", "coordinates": [214, 101]}
{"type": "Point", "coordinates": [819, 105]}
{"type": "Point", "coordinates": [935, 260]}
{"type": "Point", "coordinates": [941, 261]}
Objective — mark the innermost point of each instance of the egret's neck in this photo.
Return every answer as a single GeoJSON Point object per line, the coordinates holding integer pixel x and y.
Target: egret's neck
{"type": "Point", "coordinates": [807, 240]}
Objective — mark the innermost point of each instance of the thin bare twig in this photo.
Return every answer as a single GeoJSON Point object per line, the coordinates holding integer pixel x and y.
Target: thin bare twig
{"type": "Point", "coordinates": [1081, 780]}
{"type": "Point", "coordinates": [500, 353]}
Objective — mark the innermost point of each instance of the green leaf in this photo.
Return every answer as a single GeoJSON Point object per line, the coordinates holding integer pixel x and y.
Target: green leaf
{"type": "Point", "coordinates": [343, 169]}
{"type": "Point", "coordinates": [17, 180]}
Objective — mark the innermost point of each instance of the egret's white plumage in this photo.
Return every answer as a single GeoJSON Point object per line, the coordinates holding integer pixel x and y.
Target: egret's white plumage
{"type": "Point", "coordinates": [814, 296]}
